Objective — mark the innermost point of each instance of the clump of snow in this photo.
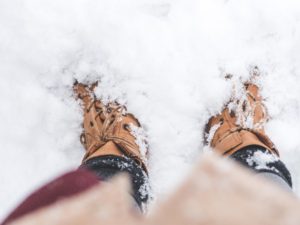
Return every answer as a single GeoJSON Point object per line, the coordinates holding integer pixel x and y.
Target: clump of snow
{"type": "Point", "coordinates": [210, 135]}
{"type": "Point", "coordinates": [141, 140]}
{"type": "Point", "coordinates": [261, 160]}
{"type": "Point", "coordinates": [240, 105]}
{"type": "Point", "coordinates": [145, 190]}
{"type": "Point", "coordinates": [166, 59]}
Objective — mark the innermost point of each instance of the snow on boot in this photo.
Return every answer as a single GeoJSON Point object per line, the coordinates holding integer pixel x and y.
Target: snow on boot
{"type": "Point", "coordinates": [240, 124]}
{"type": "Point", "coordinates": [109, 129]}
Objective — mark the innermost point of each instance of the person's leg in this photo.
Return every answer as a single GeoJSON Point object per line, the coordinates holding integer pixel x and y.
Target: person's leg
{"type": "Point", "coordinates": [238, 133]}
{"type": "Point", "coordinates": [110, 141]}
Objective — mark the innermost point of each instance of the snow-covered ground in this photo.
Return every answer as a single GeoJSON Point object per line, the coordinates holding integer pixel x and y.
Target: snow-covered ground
{"type": "Point", "coordinates": [165, 59]}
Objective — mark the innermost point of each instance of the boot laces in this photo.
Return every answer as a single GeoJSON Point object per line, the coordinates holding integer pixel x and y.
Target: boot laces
{"type": "Point", "coordinates": [109, 115]}
{"type": "Point", "coordinates": [245, 110]}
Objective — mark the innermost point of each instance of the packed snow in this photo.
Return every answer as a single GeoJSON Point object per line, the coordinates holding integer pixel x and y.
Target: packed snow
{"type": "Point", "coordinates": [166, 59]}
{"type": "Point", "coordinates": [261, 161]}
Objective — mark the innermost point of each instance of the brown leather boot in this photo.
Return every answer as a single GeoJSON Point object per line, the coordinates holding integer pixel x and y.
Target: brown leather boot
{"type": "Point", "coordinates": [109, 129]}
{"type": "Point", "coordinates": [240, 124]}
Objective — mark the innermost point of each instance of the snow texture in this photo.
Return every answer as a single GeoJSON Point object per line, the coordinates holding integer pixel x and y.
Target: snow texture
{"type": "Point", "coordinates": [141, 141]}
{"type": "Point", "coordinates": [210, 135]}
{"type": "Point", "coordinates": [261, 161]}
{"type": "Point", "coordinates": [166, 59]}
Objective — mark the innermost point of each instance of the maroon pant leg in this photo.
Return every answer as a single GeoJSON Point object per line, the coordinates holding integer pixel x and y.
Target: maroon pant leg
{"type": "Point", "coordinates": [65, 186]}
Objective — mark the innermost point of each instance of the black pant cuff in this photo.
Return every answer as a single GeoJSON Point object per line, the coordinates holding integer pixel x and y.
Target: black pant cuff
{"type": "Point", "coordinates": [246, 157]}
{"type": "Point", "coordinates": [105, 167]}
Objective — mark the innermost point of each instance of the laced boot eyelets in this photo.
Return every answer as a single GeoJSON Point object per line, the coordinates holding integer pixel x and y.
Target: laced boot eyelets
{"type": "Point", "coordinates": [82, 139]}
{"type": "Point", "coordinates": [222, 121]}
{"type": "Point", "coordinates": [126, 127]}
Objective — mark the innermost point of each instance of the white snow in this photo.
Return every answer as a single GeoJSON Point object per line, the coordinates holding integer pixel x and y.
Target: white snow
{"type": "Point", "coordinates": [141, 141]}
{"type": "Point", "coordinates": [261, 160]}
{"type": "Point", "coordinates": [165, 59]}
{"type": "Point", "coordinates": [209, 136]}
